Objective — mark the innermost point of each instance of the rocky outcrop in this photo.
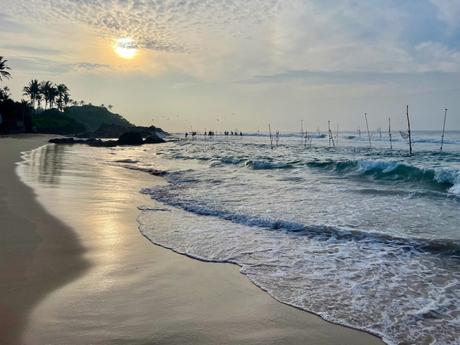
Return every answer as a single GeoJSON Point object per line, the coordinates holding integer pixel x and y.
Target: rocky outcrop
{"type": "Point", "coordinates": [115, 131]}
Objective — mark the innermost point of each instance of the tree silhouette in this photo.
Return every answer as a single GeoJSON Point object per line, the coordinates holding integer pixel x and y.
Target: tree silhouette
{"type": "Point", "coordinates": [4, 94]}
{"type": "Point", "coordinates": [4, 69]}
{"type": "Point", "coordinates": [49, 92]}
{"type": "Point", "coordinates": [67, 100]}
{"type": "Point", "coordinates": [62, 96]}
{"type": "Point", "coordinates": [33, 91]}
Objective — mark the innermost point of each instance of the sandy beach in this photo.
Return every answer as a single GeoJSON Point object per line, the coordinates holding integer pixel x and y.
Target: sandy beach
{"type": "Point", "coordinates": [75, 269]}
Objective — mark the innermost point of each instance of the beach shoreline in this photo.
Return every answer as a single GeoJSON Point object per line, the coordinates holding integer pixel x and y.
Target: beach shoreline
{"type": "Point", "coordinates": [124, 289]}
{"type": "Point", "coordinates": [32, 260]}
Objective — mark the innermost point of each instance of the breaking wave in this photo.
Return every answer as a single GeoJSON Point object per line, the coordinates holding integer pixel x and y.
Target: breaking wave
{"type": "Point", "coordinates": [446, 178]}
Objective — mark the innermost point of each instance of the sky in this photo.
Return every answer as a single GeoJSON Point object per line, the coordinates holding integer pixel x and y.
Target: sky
{"type": "Point", "coordinates": [242, 64]}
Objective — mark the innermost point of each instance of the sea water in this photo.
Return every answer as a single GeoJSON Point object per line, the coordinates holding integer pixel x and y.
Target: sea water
{"type": "Point", "coordinates": [367, 237]}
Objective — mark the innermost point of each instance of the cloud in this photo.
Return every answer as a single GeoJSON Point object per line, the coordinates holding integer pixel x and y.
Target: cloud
{"type": "Point", "coordinates": [7, 24]}
{"type": "Point", "coordinates": [44, 65]}
{"type": "Point", "coordinates": [448, 12]}
{"type": "Point", "coordinates": [235, 40]}
{"type": "Point", "coordinates": [87, 66]}
{"type": "Point", "coordinates": [30, 49]}
{"type": "Point", "coordinates": [164, 25]}
{"type": "Point", "coordinates": [355, 77]}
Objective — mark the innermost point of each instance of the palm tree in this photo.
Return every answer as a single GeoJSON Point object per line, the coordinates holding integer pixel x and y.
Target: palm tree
{"type": "Point", "coordinates": [67, 100]}
{"type": "Point", "coordinates": [62, 95]}
{"type": "Point", "coordinates": [4, 94]}
{"type": "Point", "coordinates": [53, 95]}
{"type": "Point", "coordinates": [4, 69]}
{"type": "Point", "coordinates": [33, 91]}
{"type": "Point", "coordinates": [49, 92]}
{"type": "Point", "coordinates": [39, 100]}
{"type": "Point", "coordinates": [44, 91]}
{"type": "Point", "coordinates": [82, 102]}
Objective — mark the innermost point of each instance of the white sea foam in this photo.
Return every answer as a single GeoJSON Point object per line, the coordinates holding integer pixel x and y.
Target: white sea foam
{"type": "Point", "coordinates": [363, 237]}
{"type": "Point", "coordinates": [392, 290]}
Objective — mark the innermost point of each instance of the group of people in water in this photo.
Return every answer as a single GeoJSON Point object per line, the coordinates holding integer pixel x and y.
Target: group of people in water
{"type": "Point", "coordinates": [227, 133]}
{"type": "Point", "coordinates": [212, 133]}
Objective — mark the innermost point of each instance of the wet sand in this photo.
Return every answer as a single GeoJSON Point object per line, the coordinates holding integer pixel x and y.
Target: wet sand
{"type": "Point", "coordinates": [99, 281]}
{"type": "Point", "coordinates": [38, 253]}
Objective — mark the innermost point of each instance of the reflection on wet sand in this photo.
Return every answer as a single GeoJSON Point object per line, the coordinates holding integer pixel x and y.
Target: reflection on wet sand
{"type": "Point", "coordinates": [38, 253]}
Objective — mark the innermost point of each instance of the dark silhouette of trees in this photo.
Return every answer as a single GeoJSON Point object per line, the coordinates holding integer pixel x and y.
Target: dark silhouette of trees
{"type": "Point", "coordinates": [5, 94]}
{"type": "Point", "coordinates": [4, 74]}
{"type": "Point", "coordinates": [63, 96]}
{"type": "Point", "coordinates": [45, 90]}
{"type": "Point", "coordinates": [32, 90]}
{"type": "Point", "coordinates": [50, 93]}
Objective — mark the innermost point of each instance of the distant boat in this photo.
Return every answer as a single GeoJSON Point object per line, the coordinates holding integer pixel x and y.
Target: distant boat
{"type": "Point", "coordinates": [350, 136]}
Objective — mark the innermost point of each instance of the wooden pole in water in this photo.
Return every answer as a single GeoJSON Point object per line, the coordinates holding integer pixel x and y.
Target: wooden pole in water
{"type": "Point", "coordinates": [301, 130]}
{"type": "Point", "coordinates": [271, 138]}
{"type": "Point", "coordinates": [368, 133]}
{"type": "Point", "coordinates": [443, 128]}
{"type": "Point", "coordinates": [389, 133]}
{"type": "Point", "coordinates": [408, 130]}
{"type": "Point", "coordinates": [331, 137]}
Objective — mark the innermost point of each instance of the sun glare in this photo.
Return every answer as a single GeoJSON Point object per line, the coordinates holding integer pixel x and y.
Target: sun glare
{"type": "Point", "coordinates": [125, 48]}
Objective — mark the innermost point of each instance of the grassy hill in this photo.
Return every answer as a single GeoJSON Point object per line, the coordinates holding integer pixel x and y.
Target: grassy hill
{"type": "Point", "coordinates": [53, 121]}
{"type": "Point", "coordinates": [76, 120]}
{"type": "Point", "coordinates": [93, 117]}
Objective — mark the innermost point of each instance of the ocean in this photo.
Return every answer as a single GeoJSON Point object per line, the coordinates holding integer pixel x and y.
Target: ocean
{"type": "Point", "coordinates": [367, 237]}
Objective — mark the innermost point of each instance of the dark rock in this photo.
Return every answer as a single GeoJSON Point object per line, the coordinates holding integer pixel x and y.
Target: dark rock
{"type": "Point", "coordinates": [153, 139]}
{"type": "Point", "coordinates": [61, 141]}
{"type": "Point", "coordinates": [68, 141]}
{"type": "Point", "coordinates": [130, 138]}
{"type": "Point", "coordinates": [111, 131]}
{"type": "Point", "coordinates": [101, 143]}
{"type": "Point", "coordinates": [115, 131]}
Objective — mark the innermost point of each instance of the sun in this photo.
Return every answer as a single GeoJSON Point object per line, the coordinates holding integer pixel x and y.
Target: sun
{"type": "Point", "coordinates": [125, 48]}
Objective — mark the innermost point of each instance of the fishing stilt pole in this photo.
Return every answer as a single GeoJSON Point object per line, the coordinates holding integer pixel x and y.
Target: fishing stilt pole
{"type": "Point", "coordinates": [408, 130]}
{"type": "Point", "coordinates": [389, 133]}
{"type": "Point", "coordinates": [443, 128]}
{"type": "Point", "coordinates": [368, 133]}
{"type": "Point", "coordinates": [331, 136]}
{"type": "Point", "coordinates": [301, 129]}
{"type": "Point", "coordinates": [271, 137]}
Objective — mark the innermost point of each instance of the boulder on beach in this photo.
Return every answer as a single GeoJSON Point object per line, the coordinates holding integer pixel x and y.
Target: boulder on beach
{"type": "Point", "coordinates": [130, 138]}
{"type": "Point", "coordinates": [69, 141]}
